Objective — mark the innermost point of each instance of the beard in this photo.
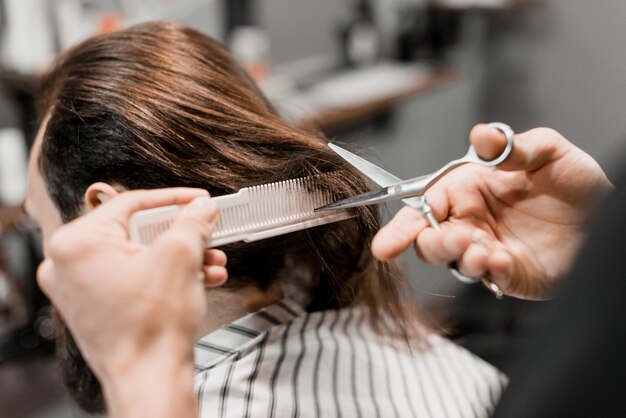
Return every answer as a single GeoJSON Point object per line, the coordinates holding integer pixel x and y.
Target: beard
{"type": "Point", "coordinates": [80, 381]}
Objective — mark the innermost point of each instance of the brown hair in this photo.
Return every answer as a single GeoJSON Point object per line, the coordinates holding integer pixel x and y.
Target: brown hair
{"type": "Point", "coordinates": [162, 105]}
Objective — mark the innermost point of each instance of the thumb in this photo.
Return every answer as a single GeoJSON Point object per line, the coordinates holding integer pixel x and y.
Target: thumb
{"type": "Point", "coordinates": [531, 150]}
{"type": "Point", "coordinates": [186, 240]}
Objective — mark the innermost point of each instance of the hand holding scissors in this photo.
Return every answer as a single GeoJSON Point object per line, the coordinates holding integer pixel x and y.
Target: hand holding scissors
{"type": "Point", "coordinates": [411, 191]}
{"type": "Point", "coordinates": [530, 214]}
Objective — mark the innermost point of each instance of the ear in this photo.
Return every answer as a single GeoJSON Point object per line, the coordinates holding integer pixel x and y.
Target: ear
{"type": "Point", "coordinates": [98, 193]}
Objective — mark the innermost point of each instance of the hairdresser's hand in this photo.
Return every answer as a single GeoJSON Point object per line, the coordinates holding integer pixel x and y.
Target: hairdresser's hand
{"type": "Point", "coordinates": [134, 310]}
{"type": "Point", "coordinates": [521, 224]}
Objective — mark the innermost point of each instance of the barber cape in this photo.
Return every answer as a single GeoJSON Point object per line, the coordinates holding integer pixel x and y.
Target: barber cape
{"type": "Point", "coordinates": [284, 362]}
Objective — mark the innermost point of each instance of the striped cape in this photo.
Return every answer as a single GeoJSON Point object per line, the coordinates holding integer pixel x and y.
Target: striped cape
{"type": "Point", "coordinates": [284, 362]}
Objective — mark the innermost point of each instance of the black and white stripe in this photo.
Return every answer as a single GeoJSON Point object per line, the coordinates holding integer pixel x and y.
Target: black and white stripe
{"type": "Point", "coordinates": [283, 362]}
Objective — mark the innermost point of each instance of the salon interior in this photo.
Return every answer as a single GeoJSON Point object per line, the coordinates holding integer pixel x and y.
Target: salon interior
{"type": "Point", "coordinates": [401, 81]}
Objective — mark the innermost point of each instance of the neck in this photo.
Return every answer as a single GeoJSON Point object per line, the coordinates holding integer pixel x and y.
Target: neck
{"type": "Point", "coordinates": [226, 306]}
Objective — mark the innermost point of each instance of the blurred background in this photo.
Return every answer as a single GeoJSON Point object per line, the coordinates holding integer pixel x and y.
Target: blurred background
{"type": "Point", "coordinates": [400, 81]}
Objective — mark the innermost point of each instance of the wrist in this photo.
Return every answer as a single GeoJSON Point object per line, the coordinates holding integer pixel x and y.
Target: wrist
{"type": "Point", "coordinates": [155, 382]}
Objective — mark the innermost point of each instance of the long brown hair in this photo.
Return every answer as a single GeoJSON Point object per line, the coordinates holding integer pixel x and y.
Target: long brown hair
{"type": "Point", "coordinates": [161, 105]}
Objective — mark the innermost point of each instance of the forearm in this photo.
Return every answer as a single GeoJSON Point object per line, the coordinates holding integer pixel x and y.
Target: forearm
{"type": "Point", "coordinates": [139, 342]}
{"type": "Point", "coordinates": [159, 384]}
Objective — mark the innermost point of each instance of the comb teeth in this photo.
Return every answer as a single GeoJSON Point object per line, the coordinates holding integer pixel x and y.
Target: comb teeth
{"type": "Point", "coordinates": [252, 213]}
{"type": "Point", "coordinates": [150, 232]}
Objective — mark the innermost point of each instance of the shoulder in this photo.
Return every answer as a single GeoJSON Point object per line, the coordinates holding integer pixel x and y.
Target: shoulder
{"type": "Point", "coordinates": [329, 361]}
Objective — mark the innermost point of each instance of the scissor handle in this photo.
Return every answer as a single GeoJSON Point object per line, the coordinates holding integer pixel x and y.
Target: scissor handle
{"type": "Point", "coordinates": [420, 204]}
{"type": "Point", "coordinates": [419, 185]}
{"type": "Point", "coordinates": [473, 157]}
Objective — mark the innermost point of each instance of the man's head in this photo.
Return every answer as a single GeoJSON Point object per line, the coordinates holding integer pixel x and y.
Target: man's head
{"type": "Point", "coordinates": [162, 105]}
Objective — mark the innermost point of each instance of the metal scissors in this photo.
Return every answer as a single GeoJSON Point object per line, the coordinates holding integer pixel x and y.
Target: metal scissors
{"type": "Point", "coordinates": [411, 192]}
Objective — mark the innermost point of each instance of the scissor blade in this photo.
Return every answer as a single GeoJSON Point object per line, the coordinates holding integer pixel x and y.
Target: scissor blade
{"type": "Point", "coordinates": [372, 171]}
{"type": "Point", "coordinates": [367, 198]}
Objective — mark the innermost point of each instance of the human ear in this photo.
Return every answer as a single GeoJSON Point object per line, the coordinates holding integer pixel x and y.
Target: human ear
{"type": "Point", "coordinates": [98, 193]}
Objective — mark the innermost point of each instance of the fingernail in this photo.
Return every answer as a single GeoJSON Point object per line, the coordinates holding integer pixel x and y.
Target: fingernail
{"type": "Point", "coordinates": [203, 207]}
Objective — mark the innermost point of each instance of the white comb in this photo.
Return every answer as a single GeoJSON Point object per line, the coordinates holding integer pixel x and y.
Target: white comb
{"type": "Point", "coordinates": [251, 214]}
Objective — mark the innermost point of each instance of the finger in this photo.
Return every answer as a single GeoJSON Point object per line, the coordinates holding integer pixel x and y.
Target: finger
{"type": "Point", "coordinates": [511, 275]}
{"type": "Point", "coordinates": [213, 257]}
{"type": "Point", "coordinates": [488, 142]}
{"type": "Point", "coordinates": [531, 150]}
{"type": "Point", "coordinates": [437, 247]}
{"type": "Point", "coordinates": [214, 276]}
{"type": "Point", "coordinates": [399, 234]}
{"type": "Point", "coordinates": [501, 265]}
{"type": "Point", "coordinates": [197, 220]}
{"type": "Point", "coordinates": [473, 262]}
{"type": "Point", "coordinates": [438, 201]}
{"type": "Point", "coordinates": [132, 201]}
{"type": "Point", "coordinates": [184, 244]}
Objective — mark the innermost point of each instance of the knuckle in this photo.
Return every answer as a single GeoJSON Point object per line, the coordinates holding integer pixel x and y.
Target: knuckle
{"type": "Point", "coordinates": [70, 242]}
{"type": "Point", "coordinates": [204, 226]}
{"type": "Point", "coordinates": [198, 222]}
{"type": "Point", "coordinates": [181, 245]}
{"type": "Point", "coordinates": [45, 274]}
{"type": "Point", "coordinates": [547, 133]}
{"type": "Point", "coordinates": [63, 245]}
{"type": "Point", "coordinates": [399, 231]}
{"type": "Point", "coordinates": [426, 247]}
{"type": "Point", "coordinates": [408, 231]}
{"type": "Point", "coordinates": [130, 199]}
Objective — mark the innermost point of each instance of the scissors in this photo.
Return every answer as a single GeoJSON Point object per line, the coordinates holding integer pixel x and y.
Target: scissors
{"type": "Point", "coordinates": [411, 191]}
